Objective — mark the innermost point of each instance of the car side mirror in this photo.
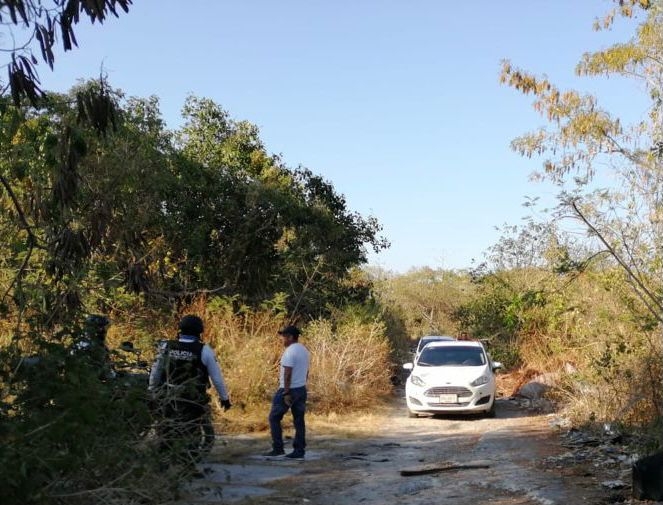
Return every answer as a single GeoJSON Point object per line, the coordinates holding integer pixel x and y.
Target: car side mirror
{"type": "Point", "coordinates": [408, 366]}
{"type": "Point", "coordinates": [496, 365]}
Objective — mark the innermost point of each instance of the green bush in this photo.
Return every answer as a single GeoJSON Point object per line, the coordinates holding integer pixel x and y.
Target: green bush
{"type": "Point", "coordinates": [67, 433]}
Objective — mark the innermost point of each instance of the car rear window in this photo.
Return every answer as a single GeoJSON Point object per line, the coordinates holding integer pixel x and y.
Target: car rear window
{"type": "Point", "coordinates": [452, 356]}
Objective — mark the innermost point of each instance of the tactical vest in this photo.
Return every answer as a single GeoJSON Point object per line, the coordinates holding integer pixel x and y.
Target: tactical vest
{"type": "Point", "coordinates": [184, 369]}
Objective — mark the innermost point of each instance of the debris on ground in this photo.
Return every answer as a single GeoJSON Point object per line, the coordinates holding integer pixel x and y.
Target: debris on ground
{"type": "Point", "coordinates": [442, 467]}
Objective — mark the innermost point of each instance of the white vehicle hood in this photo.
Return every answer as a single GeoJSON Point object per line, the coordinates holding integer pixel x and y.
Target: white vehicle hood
{"type": "Point", "coordinates": [449, 374]}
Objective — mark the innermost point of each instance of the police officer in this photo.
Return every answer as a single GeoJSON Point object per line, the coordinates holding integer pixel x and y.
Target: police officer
{"type": "Point", "coordinates": [180, 378]}
{"type": "Point", "coordinates": [93, 345]}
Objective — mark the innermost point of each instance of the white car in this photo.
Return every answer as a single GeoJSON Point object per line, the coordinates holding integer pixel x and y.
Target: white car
{"type": "Point", "coordinates": [424, 341]}
{"type": "Point", "coordinates": [451, 377]}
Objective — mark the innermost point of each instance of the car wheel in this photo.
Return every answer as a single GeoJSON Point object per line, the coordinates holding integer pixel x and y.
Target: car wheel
{"type": "Point", "coordinates": [491, 413]}
{"type": "Point", "coordinates": [411, 414]}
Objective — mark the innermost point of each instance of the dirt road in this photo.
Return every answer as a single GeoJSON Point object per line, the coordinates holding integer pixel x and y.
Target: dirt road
{"type": "Point", "coordinates": [512, 459]}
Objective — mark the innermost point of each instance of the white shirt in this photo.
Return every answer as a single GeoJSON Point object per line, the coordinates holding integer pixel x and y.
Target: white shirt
{"type": "Point", "coordinates": [295, 356]}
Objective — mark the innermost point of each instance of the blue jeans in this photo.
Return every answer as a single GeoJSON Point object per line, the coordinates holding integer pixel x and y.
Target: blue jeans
{"type": "Point", "coordinates": [279, 409]}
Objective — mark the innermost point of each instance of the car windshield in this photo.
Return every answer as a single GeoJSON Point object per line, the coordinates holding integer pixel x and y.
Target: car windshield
{"type": "Point", "coordinates": [452, 356]}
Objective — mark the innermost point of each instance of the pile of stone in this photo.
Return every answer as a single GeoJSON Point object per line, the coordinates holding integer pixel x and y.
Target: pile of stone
{"type": "Point", "coordinates": [606, 457]}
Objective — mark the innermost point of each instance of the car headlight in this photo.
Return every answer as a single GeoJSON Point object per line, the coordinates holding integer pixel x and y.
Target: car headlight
{"type": "Point", "coordinates": [478, 382]}
{"type": "Point", "coordinates": [417, 381]}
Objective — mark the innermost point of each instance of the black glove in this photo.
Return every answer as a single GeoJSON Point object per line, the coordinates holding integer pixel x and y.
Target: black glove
{"type": "Point", "coordinates": [226, 404]}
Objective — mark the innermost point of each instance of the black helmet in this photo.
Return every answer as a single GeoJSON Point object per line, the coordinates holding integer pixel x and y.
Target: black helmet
{"type": "Point", "coordinates": [96, 325]}
{"type": "Point", "coordinates": [97, 320]}
{"type": "Point", "coordinates": [191, 325]}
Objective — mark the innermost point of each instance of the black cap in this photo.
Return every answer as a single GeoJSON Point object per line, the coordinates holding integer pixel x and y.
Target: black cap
{"type": "Point", "coordinates": [290, 330]}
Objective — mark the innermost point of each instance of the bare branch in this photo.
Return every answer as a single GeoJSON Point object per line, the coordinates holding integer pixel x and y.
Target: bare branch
{"type": "Point", "coordinates": [650, 300]}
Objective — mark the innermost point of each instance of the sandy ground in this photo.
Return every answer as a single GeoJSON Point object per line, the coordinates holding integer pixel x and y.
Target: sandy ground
{"type": "Point", "coordinates": [505, 460]}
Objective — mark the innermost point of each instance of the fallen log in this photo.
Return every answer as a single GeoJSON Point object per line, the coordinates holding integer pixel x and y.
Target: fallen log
{"type": "Point", "coordinates": [444, 467]}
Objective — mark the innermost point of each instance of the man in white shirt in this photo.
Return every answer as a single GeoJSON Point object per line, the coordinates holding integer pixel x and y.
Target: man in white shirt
{"type": "Point", "coordinates": [291, 395]}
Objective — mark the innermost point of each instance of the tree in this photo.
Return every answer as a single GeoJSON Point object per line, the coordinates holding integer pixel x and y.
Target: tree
{"type": "Point", "coordinates": [45, 21]}
{"type": "Point", "coordinates": [625, 222]}
{"type": "Point", "coordinates": [257, 227]}
{"type": "Point", "coordinates": [140, 211]}
{"type": "Point", "coordinates": [136, 220]}
{"type": "Point", "coordinates": [80, 209]}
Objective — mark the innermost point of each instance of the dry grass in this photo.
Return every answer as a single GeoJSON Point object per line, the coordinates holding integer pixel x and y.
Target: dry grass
{"type": "Point", "coordinates": [590, 334]}
{"type": "Point", "coordinates": [349, 363]}
{"type": "Point", "coordinates": [627, 390]}
{"type": "Point", "coordinates": [362, 422]}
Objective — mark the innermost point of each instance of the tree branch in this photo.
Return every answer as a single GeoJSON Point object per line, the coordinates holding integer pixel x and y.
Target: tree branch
{"type": "Point", "coordinates": [19, 210]}
{"type": "Point", "coordinates": [646, 296]}
{"type": "Point", "coordinates": [179, 294]}
{"type": "Point", "coordinates": [20, 270]}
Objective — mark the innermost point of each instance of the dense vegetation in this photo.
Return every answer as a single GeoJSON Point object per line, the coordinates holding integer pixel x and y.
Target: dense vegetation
{"type": "Point", "coordinates": [104, 209]}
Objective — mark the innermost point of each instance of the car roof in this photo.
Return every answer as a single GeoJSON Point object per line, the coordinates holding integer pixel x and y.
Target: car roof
{"type": "Point", "coordinates": [455, 343]}
{"type": "Point", "coordinates": [437, 337]}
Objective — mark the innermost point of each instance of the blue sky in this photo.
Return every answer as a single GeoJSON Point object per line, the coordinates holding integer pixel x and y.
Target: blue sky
{"type": "Point", "coordinates": [397, 103]}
